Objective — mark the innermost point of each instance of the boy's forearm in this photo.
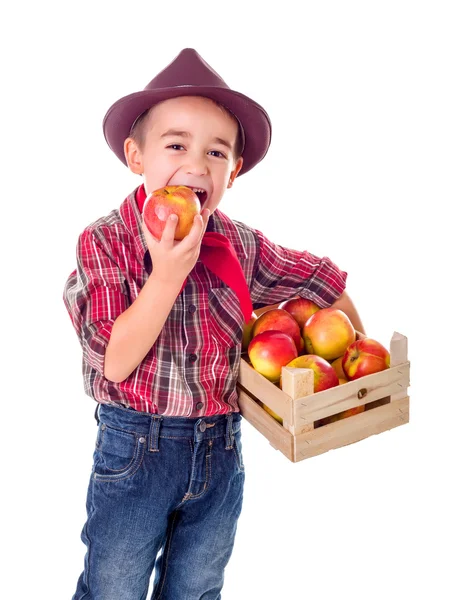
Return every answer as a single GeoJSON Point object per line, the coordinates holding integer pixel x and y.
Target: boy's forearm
{"type": "Point", "coordinates": [345, 304]}
{"type": "Point", "coordinates": [135, 331]}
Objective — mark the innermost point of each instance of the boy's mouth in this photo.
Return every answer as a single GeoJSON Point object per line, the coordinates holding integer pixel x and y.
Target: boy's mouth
{"type": "Point", "coordinates": [200, 192]}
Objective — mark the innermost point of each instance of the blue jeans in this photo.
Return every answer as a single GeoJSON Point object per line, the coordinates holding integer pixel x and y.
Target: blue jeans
{"type": "Point", "coordinates": [169, 483]}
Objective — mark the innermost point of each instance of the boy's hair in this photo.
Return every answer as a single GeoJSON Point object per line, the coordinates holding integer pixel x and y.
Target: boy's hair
{"type": "Point", "coordinates": [138, 130]}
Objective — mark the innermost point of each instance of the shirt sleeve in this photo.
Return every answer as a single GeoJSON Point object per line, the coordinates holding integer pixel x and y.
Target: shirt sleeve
{"type": "Point", "coordinates": [94, 295]}
{"type": "Point", "coordinates": [281, 273]}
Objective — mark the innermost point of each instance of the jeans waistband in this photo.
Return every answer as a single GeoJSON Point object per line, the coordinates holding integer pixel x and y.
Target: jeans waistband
{"type": "Point", "coordinates": [159, 426]}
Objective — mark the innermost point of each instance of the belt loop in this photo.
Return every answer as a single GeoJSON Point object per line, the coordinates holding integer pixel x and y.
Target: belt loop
{"type": "Point", "coordinates": [154, 433]}
{"type": "Point", "coordinates": [96, 414]}
{"type": "Point", "coordinates": [229, 434]}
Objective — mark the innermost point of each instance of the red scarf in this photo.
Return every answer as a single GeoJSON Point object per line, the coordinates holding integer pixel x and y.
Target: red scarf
{"type": "Point", "coordinates": [219, 256]}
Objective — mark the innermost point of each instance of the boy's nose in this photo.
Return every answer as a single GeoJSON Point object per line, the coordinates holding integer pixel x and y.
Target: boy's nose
{"type": "Point", "coordinates": [197, 166]}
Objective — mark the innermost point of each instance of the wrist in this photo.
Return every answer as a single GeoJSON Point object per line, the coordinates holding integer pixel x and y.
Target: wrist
{"type": "Point", "coordinates": [169, 284]}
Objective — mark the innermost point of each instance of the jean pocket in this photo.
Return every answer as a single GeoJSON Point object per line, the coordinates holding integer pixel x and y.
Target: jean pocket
{"type": "Point", "coordinates": [118, 454]}
{"type": "Point", "coordinates": [238, 450]}
{"type": "Point", "coordinates": [226, 322]}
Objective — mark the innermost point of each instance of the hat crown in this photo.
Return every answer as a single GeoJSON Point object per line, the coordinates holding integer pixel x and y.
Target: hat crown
{"type": "Point", "coordinates": [188, 68]}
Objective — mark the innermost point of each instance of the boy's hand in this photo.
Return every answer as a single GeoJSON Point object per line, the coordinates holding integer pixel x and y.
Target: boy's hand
{"type": "Point", "coordinates": [173, 260]}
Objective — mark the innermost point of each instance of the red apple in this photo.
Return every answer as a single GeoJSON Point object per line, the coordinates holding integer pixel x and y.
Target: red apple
{"type": "Point", "coordinates": [269, 351]}
{"type": "Point", "coordinates": [247, 331]}
{"type": "Point", "coordinates": [273, 414]}
{"type": "Point", "coordinates": [324, 376]}
{"type": "Point", "coordinates": [328, 333]}
{"type": "Point", "coordinates": [337, 366]}
{"type": "Point", "coordinates": [342, 415]}
{"type": "Point", "coordinates": [300, 308]}
{"type": "Point", "coordinates": [277, 319]}
{"type": "Point", "coordinates": [364, 357]}
{"type": "Point", "coordinates": [172, 199]}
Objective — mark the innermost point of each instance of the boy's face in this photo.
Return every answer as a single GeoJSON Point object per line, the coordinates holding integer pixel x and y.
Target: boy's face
{"type": "Point", "coordinates": [188, 141]}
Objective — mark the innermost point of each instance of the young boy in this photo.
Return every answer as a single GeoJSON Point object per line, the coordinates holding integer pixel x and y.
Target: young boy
{"type": "Point", "coordinates": [160, 324]}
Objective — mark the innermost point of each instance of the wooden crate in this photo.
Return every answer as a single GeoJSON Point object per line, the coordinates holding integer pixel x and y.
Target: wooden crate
{"type": "Point", "coordinates": [301, 436]}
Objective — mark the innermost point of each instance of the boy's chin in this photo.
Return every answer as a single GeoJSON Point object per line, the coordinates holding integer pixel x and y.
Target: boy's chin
{"type": "Point", "coordinates": [211, 208]}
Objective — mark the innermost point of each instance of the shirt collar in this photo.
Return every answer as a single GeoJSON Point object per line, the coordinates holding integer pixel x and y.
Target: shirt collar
{"type": "Point", "coordinates": [218, 222]}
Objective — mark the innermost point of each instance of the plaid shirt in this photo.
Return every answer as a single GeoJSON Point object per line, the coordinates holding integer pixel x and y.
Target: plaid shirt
{"type": "Point", "coordinates": [192, 368]}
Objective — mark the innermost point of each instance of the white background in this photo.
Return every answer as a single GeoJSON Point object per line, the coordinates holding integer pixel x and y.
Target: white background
{"type": "Point", "coordinates": [365, 167]}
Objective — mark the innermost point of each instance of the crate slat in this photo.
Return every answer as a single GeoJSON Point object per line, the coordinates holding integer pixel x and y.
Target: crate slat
{"type": "Point", "coordinates": [353, 429]}
{"type": "Point", "coordinates": [276, 434]}
{"type": "Point", "coordinates": [276, 399]}
{"type": "Point", "coordinates": [334, 400]}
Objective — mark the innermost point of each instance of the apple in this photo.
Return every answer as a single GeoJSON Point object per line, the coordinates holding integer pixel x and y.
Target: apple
{"type": "Point", "coordinates": [337, 366]}
{"type": "Point", "coordinates": [342, 380]}
{"type": "Point", "coordinates": [364, 357]}
{"type": "Point", "coordinates": [269, 351]}
{"type": "Point", "coordinates": [172, 199]}
{"type": "Point", "coordinates": [277, 319]}
{"type": "Point", "coordinates": [273, 414]}
{"type": "Point", "coordinates": [324, 376]}
{"type": "Point", "coordinates": [300, 308]}
{"type": "Point", "coordinates": [328, 333]}
{"type": "Point", "coordinates": [342, 415]}
{"type": "Point", "coordinates": [247, 331]}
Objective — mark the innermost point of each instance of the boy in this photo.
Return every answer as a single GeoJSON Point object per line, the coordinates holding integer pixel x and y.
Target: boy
{"type": "Point", "coordinates": [160, 324]}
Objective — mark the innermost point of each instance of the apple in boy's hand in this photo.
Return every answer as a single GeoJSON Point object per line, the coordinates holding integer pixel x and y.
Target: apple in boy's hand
{"type": "Point", "coordinates": [172, 199]}
{"type": "Point", "coordinates": [300, 308]}
{"type": "Point", "coordinates": [364, 357]}
{"type": "Point", "coordinates": [269, 351]}
{"type": "Point", "coordinates": [328, 333]}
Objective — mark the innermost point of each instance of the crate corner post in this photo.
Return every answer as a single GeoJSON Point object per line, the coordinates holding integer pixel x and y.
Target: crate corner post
{"type": "Point", "coordinates": [297, 383]}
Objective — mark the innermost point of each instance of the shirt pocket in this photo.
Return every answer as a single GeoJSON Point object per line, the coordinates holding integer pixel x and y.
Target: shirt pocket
{"type": "Point", "coordinates": [226, 318]}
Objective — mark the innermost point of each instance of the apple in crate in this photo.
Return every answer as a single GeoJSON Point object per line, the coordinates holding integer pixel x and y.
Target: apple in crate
{"type": "Point", "coordinates": [300, 308]}
{"type": "Point", "coordinates": [272, 414]}
{"type": "Point", "coordinates": [269, 351]}
{"type": "Point", "coordinates": [365, 357]}
{"type": "Point", "coordinates": [324, 376]}
{"type": "Point", "coordinates": [328, 333]}
{"type": "Point", "coordinates": [342, 415]}
{"type": "Point", "coordinates": [337, 366]}
{"type": "Point", "coordinates": [277, 319]}
{"type": "Point", "coordinates": [247, 331]}
{"type": "Point", "coordinates": [172, 199]}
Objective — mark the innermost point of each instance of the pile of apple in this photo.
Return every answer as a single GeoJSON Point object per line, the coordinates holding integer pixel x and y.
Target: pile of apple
{"type": "Point", "coordinates": [301, 334]}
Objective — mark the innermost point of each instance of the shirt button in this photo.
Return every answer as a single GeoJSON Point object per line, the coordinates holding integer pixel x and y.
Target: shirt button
{"type": "Point", "coordinates": [192, 308]}
{"type": "Point", "coordinates": [192, 357]}
{"type": "Point", "coordinates": [199, 406]}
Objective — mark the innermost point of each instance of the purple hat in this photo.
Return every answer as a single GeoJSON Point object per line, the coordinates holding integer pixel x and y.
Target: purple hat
{"type": "Point", "coordinates": [189, 75]}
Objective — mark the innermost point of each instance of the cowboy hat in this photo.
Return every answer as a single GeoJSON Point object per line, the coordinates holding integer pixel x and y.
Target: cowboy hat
{"type": "Point", "coordinates": [189, 75]}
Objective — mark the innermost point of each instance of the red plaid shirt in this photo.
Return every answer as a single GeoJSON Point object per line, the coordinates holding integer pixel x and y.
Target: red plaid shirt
{"type": "Point", "coordinates": [192, 368]}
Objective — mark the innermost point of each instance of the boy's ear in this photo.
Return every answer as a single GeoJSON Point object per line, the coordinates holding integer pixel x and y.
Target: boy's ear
{"type": "Point", "coordinates": [236, 170]}
{"type": "Point", "coordinates": [133, 156]}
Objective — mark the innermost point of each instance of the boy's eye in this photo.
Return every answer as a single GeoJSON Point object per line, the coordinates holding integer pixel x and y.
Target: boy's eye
{"type": "Point", "coordinates": [216, 153]}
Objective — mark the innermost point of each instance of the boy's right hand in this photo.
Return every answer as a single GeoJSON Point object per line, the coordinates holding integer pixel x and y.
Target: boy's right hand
{"type": "Point", "coordinates": [173, 260]}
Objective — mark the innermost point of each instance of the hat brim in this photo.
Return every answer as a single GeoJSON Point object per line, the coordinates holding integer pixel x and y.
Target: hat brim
{"type": "Point", "coordinates": [119, 119]}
